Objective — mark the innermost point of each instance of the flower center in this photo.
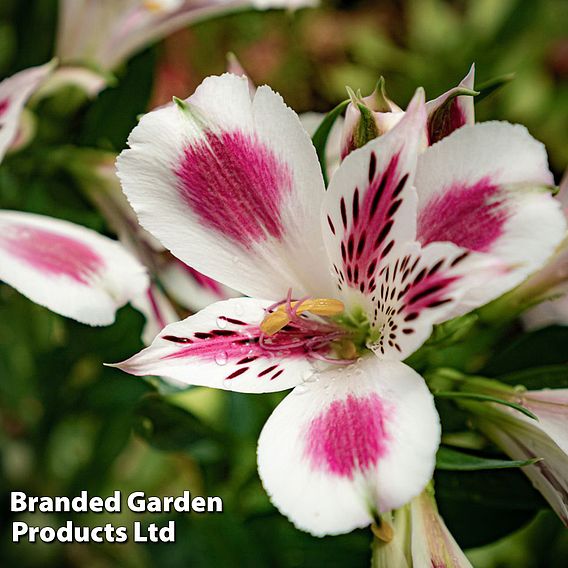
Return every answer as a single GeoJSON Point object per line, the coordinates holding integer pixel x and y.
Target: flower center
{"type": "Point", "coordinates": [317, 324]}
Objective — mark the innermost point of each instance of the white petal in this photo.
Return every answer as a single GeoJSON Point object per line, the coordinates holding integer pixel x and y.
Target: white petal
{"type": "Point", "coordinates": [14, 93]}
{"type": "Point", "coordinates": [219, 347]}
{"type": "Point", "coordinates": [482, 188]}
{"type": "Point", "coordinates": [370, 207]}
{"type": "Point", "coordinates": [422, 287]}
{"type": "Point", "coordinates": [351, 443]}
{"type": "Point", "coordinates": [233, 188]}
{"type": "Point", "coordinates": [69, 269]}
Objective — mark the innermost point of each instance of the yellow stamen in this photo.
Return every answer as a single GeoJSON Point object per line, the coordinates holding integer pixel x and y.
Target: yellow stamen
{"type": "Point", "coordinates": [279, 318]}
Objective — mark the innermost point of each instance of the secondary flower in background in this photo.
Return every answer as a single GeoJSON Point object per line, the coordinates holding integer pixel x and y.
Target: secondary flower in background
{"type": "Point", "coordinates": [14, 94]}
{"type": "Point", "coordinates": [69, 269]}
{"type": "Point", "coordinates": [105, 33]}
{"type": "Point", "coordinates": [374, 115]}
{"type": "Point", "coordinates": [350, 280]}
{"type": "Point", "coordinates": [522, 437]}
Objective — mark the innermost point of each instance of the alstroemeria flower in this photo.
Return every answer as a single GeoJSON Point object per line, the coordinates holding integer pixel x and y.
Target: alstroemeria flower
{"type": "Point", "coordinates": [374, 115]}
{"type": "Point", "coordinates": [67, 268]}
{"type": "Point", "coordinates": [524, 438]}
{"type": "Point", "coordinates": [108, 32]}
{"type": "Point", "coordinates": [14, 94]}
{"type": "Point", "coordinates": [344, 283]}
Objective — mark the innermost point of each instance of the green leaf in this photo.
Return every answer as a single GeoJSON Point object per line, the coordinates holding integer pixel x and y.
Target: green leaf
{"type": "Point", "coordinates": [454, 460]}
{"type": "Point", "coordinates": [535, 349]}
{"type": "Point", "coordinates": [550, 376]}
{"type": "Point", "coordinates": [489, 87]}
{"type": "Point", "coordinates": [480, 507]}
{"type": "Point", "coordinates": [485, 398]}
{"type": "Point", "coordinates": [321, 135]}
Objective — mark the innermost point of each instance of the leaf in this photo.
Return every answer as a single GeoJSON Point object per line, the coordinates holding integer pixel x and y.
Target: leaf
{"type": "Point", "coordinates": [168, 427]}
{"type": "Point", "coordinates": [480, 507]}
{"type": "Point", "coordinates": [550, 376]}
{"type": "Point", "coordinates": [321, 135]}
{"type": "Point", "coordinates": [454, 460]}
{"type": "Point", "coordinates": [485, 398]}
{"type": "Point", "coordinates": [489, 87]}
{"type": "Point", "coordinates": [541, 347]}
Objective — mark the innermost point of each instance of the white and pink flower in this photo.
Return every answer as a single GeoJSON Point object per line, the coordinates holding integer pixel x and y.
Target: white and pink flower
{"type": "Point", "coordinates": [69, 269]}
{"type": "Point", "coordinates": [344, 284]}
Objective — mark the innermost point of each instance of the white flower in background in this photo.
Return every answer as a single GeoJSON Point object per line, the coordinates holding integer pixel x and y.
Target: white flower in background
{"type": "Point", "coordinates": [344, 284]}
{"type": "Point", "coordinates": [106, 33]}
{"type": "Point", "coordinates": [69, 269]}
{"type": "Point", "coordinates": [14, 94]}
{"type": "Point", "coordinates": [522, 438]}
{"type": "Point", "coordinates": [374, 115]}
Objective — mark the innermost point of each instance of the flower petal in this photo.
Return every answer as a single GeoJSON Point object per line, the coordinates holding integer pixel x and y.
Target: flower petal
{"type": "Point", "coordinates": [219, 347]}
{"type": "Point", "coordinates": [14, 93]}
{"type": "Point", "coordinates": [451, 110]}
{"type": "Point", "coordinates": [232, 187]}
{"type": "Point", "coordinates": [422, 287]}
{"type": "Point", "coordinates": [349, 444]}
{"type": "Point", "coordinates": [69, 269]}
{"type": "Point", "coordinates": [482, 189]}
{"type": "Point", "coordinates": [370, 207]}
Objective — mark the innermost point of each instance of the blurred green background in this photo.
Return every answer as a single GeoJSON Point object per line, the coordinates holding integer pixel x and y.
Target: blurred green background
{"type": "Point", "coordinates": [68, 423]}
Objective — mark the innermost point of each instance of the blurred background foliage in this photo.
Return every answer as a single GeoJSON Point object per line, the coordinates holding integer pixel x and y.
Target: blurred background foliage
{"type": "Point", "coordinates": [68, 423]}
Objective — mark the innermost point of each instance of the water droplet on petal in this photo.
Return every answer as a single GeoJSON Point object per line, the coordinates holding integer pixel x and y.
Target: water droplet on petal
{"type": "Point", "coordinates": [300, 389]}
{"type": "Point", "coordinates": [221, 358]}
{"type": "Point", "coordinates": [221, 323]}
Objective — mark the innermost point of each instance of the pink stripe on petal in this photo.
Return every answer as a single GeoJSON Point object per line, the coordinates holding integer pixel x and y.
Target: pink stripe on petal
{"type": "Point", "coordinates": [350, 435]}
{"type": "Point", "coordinates": [4, 104]}
{"type": "Point", "coordinates": [235, 184]}
{"type": "Point", "coordinates": [470, 216]}
{"type": "Point", "coordinates": [52, 253]}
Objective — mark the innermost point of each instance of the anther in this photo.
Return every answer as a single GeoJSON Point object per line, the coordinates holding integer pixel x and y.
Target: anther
{"type": "Point", "coordinates": [282, 315]}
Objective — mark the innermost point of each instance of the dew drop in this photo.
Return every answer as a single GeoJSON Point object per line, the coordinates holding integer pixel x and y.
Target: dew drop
{"type": "Point", "coordinates": [221, 358]}
{"type": "Point", "coordinates": [300, 389]}
{"type": "Point", "coordinates": [221, 323]}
